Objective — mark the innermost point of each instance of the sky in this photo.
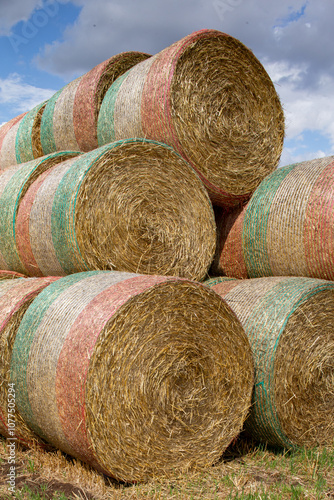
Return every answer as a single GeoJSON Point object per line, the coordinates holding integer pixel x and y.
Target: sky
{"type": "Point", "coordinates": [44, 44]}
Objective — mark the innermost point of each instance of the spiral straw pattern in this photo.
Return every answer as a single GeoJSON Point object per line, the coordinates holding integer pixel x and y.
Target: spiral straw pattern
{"type": "Point", "coordinates": [289, 324]}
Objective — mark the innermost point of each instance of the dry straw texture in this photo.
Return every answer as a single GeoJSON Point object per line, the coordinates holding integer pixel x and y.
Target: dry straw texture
{"type": "Point", "coordinates": [15, 297]}
{"type": "Point", "coordinates": [130, 206]}
{"type": "Point", "coordinates": [14, 183]}
{"type": "Point", "coordinates": [7, 275]}
{"type": "Point", "coordinates": [69, 121]}
{"type": "Point", "coordinates": [210, 98]}
{"type": "Point", "coordinates": [7, 142]}
{"type": "Point", "coordinates": [137, 375]}
{"type": "Point", "coordinates": [289, 323]}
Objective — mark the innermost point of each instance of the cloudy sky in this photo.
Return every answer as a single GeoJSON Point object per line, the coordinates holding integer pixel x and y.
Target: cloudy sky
{"type": "Point", "coordinates": [46, 43]}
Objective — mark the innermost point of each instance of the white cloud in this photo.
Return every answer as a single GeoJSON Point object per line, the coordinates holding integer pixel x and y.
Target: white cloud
{"type": "Point", "coordinates": [13, 12]}
{"type": "Point", "coordinates": [20, 95]}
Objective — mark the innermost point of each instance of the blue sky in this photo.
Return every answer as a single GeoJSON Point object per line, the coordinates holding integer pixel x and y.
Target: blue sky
{"type": "Point", "coordinates": [46, 43]}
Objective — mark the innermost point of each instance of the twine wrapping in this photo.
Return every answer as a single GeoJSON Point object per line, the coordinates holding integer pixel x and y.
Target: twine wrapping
{"type": "Point", "coordinates": [289, 324]}
{"type": "Point", "coordinates": [27, 141]}
{"type": "Point", "coordinates": [14, 182]}
{"type": "Point", "coordinates": [210, 98]}
{"type": "Point", "coordinates": [136, 375]}
{"type": "Point", "coordinates": [69, 121]}
{"type": "Point", "coordinates": [130, 206]}
{"type": "Point", "coordinates": [15, 297]}
{"type": "Point", "coordinates": [7, 142]}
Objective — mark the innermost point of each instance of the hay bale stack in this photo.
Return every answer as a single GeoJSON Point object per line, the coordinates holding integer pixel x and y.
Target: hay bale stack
{"type": "Point", "coordinates": [132, 206]}
{"type": "Point", "coordinates": [286, 229]}
{"type": "Point", "coordinates": [28, 143]}
{"type": "Point", "coordinates": [289, 323]}
{"type": "Point", "coordinates": [7, 142]}
{"type": "Point", "coordinates": [136, 375]}
{"type": "Point", "coordinates": [15, 297]}
{"type": "Point", "coordinates": [14, 182]}
{"type": "Point", "coordinates": [69, 121]}
{"type": "Point", "coordinates": [210, 98]}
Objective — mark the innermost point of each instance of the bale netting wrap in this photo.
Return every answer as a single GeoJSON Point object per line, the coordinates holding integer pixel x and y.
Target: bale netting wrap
{"type": "Point", "coordinates": [69, 120]}
{"type": "Point", "coordinates": [15, 297]}
{"type": "Point", "coordinates": [7, 142]}
{"type": "Point", "coordinates": [288, 224]}
{"type": "Point", "coordinates": [133, 206]}
{"type": "Point", "coordinates": [210, 98]}
{"type": "Point", "coordinates": [229, 257]}
{"type": "Point", "coordinates": [139, 375]}
{"type": "Point", "coordinates": [91, 91]}
{"type": "Point", "coordinates": [289, 323]}
{"type": "Point", "coordinates": [27, 141]}
{"type": "Point", "coordinates": [14, 183]}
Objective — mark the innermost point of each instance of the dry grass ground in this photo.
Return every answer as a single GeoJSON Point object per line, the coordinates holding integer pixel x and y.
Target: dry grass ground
{"type": "Point", "coordinates": [247, 471]}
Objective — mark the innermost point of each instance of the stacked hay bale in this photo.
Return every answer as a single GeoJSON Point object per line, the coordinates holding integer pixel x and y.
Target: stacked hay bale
{"type": "Point", "coordinates": [131, 206]}
{"type": "Point", "coordinates": [14, 183]}
{"type": "Point", "coordinates": [136, 375]}
{"type": "Point", "coordinates": [69, 120]}
{"type": "Point", "coordinates": [7, 142]}
{"type": "Point", "coordinates": [210, 98]}
{"type": "Point", "coordinates": [289, 323]}
{"type": "Point", "coordinates": [286, 229]}
{"type": "Point", "coordinates": [15, 297]}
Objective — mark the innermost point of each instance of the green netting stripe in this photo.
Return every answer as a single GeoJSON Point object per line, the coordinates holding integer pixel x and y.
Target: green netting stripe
{"type": "Point", "coordinates": [255, 224]}
{"type": "Point", "coordinates": [47, 137]}
{"type": "Point", "coordinates": [264, 327]}
{"type": "Point", "coordinates": [25, 337]}
{"type": "Point", "coordinates": [106, 122]}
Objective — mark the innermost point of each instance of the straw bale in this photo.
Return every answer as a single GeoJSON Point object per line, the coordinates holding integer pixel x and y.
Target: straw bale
{"type": "Point", "coordinates": [69, 121]}
{"type": "Point", "coordinates": [132, 206]}
{"type": "Point", "coordinates": [27, 143]}
{"type": "Point", "coordinates": [288, 223]}
{"type": "Point", "coordinates": [15, 297]}
{"type": "Point", "coordinates": [7, 142]}
{"type": "Point", "coordinates": [289, 323]}
{"type": "Point", "coordinates": [136, 375]}
{"type": "Point", "coordinates": [211, 99]}
{"type": "Point", "coordinates": [14, 182]}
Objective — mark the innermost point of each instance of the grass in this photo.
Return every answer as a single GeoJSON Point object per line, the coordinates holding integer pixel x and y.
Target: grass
{"type": "Point", "coordinates": [246, 472]}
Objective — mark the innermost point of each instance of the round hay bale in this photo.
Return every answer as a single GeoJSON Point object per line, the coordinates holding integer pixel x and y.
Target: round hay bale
{"type": "Point", "coordinates": [69, 121]}
{"type": "Point", "coordinates": [132, 206]}
{"type": "Point", "coordinates": [14, 182]}
{"type": "Point", "coordinates": [289, 323]}
{"type": "Point", "coordinates": [27, 143]}
{"type": "Point", "coordinates": [210, 98]}
{"type": "Point", "coordinates": [288, 223]}
{"type": "Point", "coordinates": [136, 375]}
{"type": "Point", "coordinates": [15, 297]}
{"type": "Point", "coordinates": [229, 257]}
{"type": "Point", "coordinates": [7, 142]}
